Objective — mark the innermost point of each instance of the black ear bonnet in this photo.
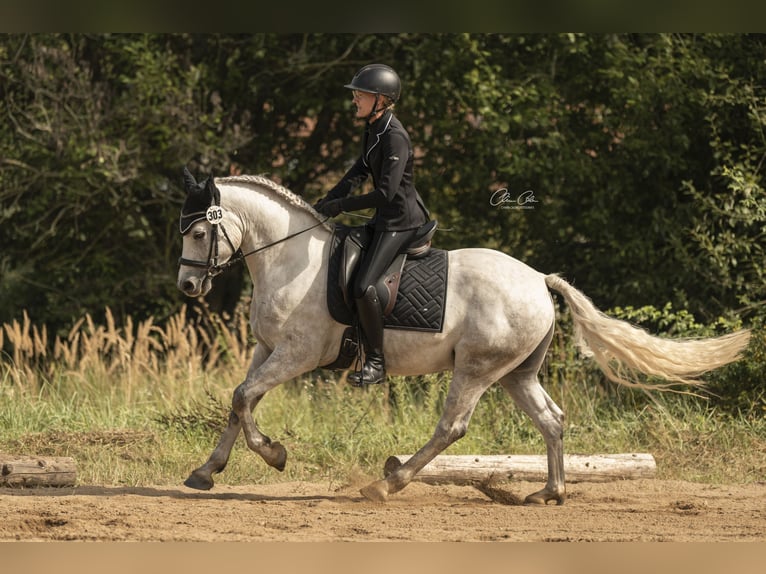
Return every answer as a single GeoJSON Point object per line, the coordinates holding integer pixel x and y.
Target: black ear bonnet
{"type": "Point", "coordinates": [199, 196]}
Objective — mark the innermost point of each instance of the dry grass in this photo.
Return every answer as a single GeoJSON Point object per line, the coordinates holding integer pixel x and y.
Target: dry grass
{"type": "Point", "coordinates": [143, 403]}
{"type": "Point", "coordinates": [131, 351]}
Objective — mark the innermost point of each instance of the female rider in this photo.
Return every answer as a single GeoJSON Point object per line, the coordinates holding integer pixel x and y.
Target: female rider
{"type": "Point", "coordinates": [399, 210]}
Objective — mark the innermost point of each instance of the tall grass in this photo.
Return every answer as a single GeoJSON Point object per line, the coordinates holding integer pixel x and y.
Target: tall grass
{"type": "Point", "coordinates": [143, 403]}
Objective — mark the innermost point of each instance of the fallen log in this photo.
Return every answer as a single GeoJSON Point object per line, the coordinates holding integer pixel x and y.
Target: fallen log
{"type": "Point", "coordinates": [31, 471]}
{"type": "Point", "coordinates": [466, 469]}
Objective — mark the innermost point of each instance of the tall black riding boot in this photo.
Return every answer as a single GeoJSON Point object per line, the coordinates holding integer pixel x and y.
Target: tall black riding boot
{"type": "Point", "coordinates": [371, 319]}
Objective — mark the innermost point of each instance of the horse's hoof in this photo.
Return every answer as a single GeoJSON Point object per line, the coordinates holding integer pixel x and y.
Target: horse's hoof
{"type": "Point", "coordinates": [543, 497]}
{"type": "Point", "coordinates": [376, 491]}
{"type": "Point", "coordinates": [392, 465]}
{"type": "Point", "coordinates": [275, 455]}
{"type": "Point", "coordinates": [199, 481]}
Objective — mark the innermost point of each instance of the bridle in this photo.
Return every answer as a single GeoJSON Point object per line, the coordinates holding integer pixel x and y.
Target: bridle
{"type": "Point", "coordinates": [214, 216]}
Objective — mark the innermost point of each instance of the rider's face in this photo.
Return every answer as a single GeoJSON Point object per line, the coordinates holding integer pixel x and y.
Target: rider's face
{"type": "Point", "coordinates": [364, 102]}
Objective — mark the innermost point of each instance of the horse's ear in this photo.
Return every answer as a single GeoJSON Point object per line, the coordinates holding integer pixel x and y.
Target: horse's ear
{"type": "Point", "coordinates": [196, 202]}
{"type": "Point", "coordinates": [212, 190]}
{"type": "Point", "coordinates": [190, 184]}
{"type": "Point", "coordinates": [210, 183]}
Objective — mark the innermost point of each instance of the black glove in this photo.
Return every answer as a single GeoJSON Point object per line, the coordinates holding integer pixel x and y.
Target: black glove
{"type": "Point", "coordinates": [330, 207]}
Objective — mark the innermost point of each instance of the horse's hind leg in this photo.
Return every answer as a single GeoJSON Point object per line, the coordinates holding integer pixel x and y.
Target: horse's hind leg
{"type": "Point", "coordinates": [525, 389]}
{"type": "Point", "coordinates": [464, 393]}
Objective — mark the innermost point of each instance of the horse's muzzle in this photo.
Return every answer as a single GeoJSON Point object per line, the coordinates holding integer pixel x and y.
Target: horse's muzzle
{"type": "Point", "coordinates": [194, 286]}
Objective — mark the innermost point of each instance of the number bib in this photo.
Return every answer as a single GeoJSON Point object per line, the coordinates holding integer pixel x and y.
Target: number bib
{"type": "Point", "coordinates": [214, 214]}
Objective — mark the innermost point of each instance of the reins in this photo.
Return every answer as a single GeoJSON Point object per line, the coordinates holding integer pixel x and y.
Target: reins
{"type": "Point", "coordinates": [239, 256]}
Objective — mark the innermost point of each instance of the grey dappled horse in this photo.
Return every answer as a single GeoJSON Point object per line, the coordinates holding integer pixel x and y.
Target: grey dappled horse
{"type": "Point", "coordinates": [498, 323]}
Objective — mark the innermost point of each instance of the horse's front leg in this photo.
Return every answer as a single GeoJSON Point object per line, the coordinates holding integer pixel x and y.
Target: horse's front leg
{"type": "Point", "coordinates": [202, 477]}
{"type": "Point", "coordinates": [282, 365]}
{"type": "Point", "coordinates": [270, 451]}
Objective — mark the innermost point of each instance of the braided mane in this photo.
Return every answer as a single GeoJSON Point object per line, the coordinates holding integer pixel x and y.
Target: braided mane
{"type": "Point", "coordinates": [280, 191]}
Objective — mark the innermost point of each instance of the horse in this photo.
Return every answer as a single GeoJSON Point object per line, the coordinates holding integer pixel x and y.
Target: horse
{"type": "Point", "coordinates": [498, 324]}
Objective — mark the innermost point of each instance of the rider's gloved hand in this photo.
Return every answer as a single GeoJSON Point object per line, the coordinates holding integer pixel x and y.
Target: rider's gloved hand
{"type": "Point", "coordinates": [330, 207]}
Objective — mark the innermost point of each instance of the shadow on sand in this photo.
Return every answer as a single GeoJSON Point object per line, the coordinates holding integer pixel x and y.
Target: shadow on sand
{"type": "Point", "coordinates": [169, 492]}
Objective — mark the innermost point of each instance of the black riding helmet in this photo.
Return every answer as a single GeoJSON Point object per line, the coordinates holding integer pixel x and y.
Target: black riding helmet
{"type": "Point", "coordinates": [377, 79]}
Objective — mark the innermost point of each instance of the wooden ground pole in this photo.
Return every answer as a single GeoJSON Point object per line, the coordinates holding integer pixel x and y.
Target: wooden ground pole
{"type": "Point", "coordinates": [31, 471]}
{"type": "Point", "coordinates": [470, 468]}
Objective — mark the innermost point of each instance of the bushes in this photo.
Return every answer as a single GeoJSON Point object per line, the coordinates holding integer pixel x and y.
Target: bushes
{"type": "Point", "coordinates": [741, 386]}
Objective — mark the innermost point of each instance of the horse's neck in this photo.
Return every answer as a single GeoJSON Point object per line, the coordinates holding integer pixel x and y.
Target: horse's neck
{"type": "Point", "coordinates": [264, 218]}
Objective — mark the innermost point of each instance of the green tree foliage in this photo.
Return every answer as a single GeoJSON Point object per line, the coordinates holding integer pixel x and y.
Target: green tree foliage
{"type": "Point", "coordinates": [644, 153]}
{"type": "Point", "coordinates": [627, 141]}
{"type": "Point", "coordinates": [94, 132]}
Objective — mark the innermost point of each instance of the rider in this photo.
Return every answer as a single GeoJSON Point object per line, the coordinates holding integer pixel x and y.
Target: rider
{"type": "Point", "coordinates": [399, 210]}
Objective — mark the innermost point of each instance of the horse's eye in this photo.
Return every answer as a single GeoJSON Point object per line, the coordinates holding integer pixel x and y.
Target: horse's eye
{"type": "Point", "coordinates": [199, 234]}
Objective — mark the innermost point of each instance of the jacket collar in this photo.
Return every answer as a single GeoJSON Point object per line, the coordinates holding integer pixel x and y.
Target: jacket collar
{"type": "Point", "coordinates": [375, 130]}
{"type": "Point", "coordinates": [380, 125]}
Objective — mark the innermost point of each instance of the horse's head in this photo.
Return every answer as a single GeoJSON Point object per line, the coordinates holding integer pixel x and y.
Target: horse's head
{"type": "Point", "coordinates": [203, 255]}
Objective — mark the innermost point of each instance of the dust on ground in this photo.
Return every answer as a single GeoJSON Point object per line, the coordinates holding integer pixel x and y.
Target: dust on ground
{"type": "Point", "coordinates": [629, 510]}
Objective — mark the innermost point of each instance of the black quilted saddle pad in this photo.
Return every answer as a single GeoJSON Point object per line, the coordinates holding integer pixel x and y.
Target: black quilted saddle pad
{"type": "Point", "coordinates": [422, 298]}
{"type": "Point", "coordinates": [422, 295]}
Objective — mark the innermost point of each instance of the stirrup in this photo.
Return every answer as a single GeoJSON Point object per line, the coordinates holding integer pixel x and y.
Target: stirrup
{"type": "Point", "coordinates": [363, 378]}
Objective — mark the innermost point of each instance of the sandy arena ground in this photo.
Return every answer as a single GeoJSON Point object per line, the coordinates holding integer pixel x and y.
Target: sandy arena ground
{"type": "Point", "coordinates": [630, 510]}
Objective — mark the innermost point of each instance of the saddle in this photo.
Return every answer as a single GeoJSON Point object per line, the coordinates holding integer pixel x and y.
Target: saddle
{"type": "Point", "coordinates": [412, 290]}
{"type": "Point", "coordinates": [387, 286]}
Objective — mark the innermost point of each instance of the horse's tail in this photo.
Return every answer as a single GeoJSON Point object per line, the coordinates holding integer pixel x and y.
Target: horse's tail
{"type": "Point", "coordinates": [622, 350]}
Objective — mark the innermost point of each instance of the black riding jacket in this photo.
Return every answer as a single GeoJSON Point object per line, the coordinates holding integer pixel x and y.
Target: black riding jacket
{"type": "Point", "coordinates": [387, 156]}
